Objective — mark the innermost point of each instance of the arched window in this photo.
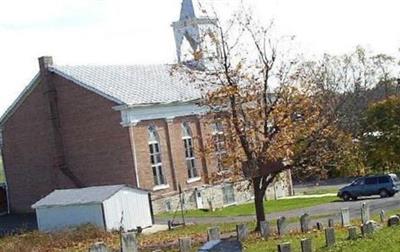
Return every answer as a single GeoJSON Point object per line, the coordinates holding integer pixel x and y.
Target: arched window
{"type": "Point", "coordinates": [155, 156]}
{"type": "Point", "coordinates": [189, 151]}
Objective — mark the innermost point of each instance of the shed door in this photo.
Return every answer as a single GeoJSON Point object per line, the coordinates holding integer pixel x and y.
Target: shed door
{"type": "Point", "coordinates": [3, 200]}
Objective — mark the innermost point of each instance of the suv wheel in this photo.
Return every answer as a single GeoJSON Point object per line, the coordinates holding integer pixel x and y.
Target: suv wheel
{"type": "Point", "coordinates": [383, 193]}
{"type": "Point", "coordinates": [346, 196]}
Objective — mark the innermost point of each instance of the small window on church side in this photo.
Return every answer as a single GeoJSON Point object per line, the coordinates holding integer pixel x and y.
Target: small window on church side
{"type": "Point", "coordinates": [155, 157]}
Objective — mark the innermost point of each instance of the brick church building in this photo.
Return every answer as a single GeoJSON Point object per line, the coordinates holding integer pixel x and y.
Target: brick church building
{"type": "Point", "coordinates": [78, 126]}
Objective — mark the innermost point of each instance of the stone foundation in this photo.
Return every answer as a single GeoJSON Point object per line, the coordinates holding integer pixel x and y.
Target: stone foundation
{"type": "Point", "coordinates": [218, 196]}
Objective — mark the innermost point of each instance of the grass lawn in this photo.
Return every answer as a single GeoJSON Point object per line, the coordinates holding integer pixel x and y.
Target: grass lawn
{"type": "Point", "coordinates": [271, 206]}
{"type": "Point", "coordinates": [386, 239]}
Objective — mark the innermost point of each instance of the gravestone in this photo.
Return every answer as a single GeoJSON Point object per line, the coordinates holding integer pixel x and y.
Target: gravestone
{"type": "Point", "coordinates": [372, 226]}
{"type": "Point", "coordinates": [382, 216]}
{"type": "Point", "coordinates": [330, 237]}
{"type": "Point", "coordinates": [365, 216]}
{"type": "Point", "coordinates": [352, 233]}
{"type": "Point", "coordinates": [306, 245]}
{"type": "Point", "coordinates": [185, 244]}
{"type": "Point", "coordinates": [320, 227]}
{"type": "Point", "coordinates": [282, 225]}
{"type": "Point", "coordinates": [304, 223]}
{"type": "Point", "coordinates": [284, 247]}
{"type": "Point", "coordinates": [222, 246]}
{"type": "Point", "coordinates": [264, 229]}
{"type": "Point", "coordinates": [213, 234]}
{"type": "Point", "coordinates": [345, 217]}
{"type": "Point", "coordinates": [368, 228]}
{"type": "Point", "coordinates": [393, 220]}
{"type": "Point", "coordinates": [98, 247]}
{"type": "Point", "coordinates": [129, 242]}
{"type": "Point", "coordinates": [331, 223]}
{"type": "Point", "coordinates": [242, 232]}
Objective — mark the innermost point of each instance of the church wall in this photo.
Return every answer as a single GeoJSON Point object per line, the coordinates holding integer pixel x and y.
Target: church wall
{"type": "Point", "coordinates": [173, 155]}
{"type": "Point", "coordinates": [26, 152]}
{"type": "Point", "coordinates": [172, 152]}
{"type": "Point", "coordinates": [97, 148]}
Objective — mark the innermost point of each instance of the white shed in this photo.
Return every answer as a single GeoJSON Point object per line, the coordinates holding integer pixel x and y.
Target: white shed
{"type": "Point", "coordinates": [107, 207]}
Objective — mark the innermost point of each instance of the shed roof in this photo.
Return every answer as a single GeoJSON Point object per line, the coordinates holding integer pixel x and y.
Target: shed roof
{"type": "Point", "coordinates": [80, 196]}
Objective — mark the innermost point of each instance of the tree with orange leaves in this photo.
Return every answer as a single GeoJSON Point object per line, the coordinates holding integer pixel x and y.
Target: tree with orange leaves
{"type": "Point", "coordinates": [271, 109]}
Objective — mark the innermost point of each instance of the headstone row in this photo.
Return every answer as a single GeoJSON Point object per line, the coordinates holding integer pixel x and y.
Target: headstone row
{"type": "Point", "coordinates": [305, 244]}
{"type": "Point", "coordinates": [215, 243]}
{"type": "Point", "coordinates": [129, 243]}
{"type": "Point", "coordinates": [368, 227]}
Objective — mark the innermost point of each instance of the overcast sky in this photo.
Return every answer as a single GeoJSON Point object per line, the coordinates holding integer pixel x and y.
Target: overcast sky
{"type": "Point", "coordinates": [139, 32]}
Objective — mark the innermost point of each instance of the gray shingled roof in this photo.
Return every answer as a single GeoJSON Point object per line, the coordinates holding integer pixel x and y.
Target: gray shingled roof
{"type": "Point", "coordinates": [132, 85]}
{"type": "Point", "coordinates": [95, 194]}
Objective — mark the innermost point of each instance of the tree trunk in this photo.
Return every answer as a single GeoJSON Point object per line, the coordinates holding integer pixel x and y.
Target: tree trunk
{"type": "Point", "coordinates": [259, 202]}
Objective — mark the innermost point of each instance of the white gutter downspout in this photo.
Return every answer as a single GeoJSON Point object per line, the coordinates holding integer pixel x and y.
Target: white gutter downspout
{"type": "Point", "coordinates": [4, 171]}
{"type": "Point", "coordinates": [133, 143]}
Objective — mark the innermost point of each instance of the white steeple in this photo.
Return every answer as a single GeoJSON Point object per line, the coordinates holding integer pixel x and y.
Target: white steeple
{"type": "Point", "coordinates": [187, 10]}
{"type": "Point", "coordinates": [189, 29]}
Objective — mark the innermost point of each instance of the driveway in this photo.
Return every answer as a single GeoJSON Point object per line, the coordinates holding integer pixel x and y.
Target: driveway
{"type": "Point", "coordinates": [324, 211]}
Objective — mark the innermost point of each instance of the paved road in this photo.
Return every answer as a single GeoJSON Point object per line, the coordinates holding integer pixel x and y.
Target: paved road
{"type": "Point", "coordinates": [328, 185]}
{"type": "Point", "coordinates": [330, 210]}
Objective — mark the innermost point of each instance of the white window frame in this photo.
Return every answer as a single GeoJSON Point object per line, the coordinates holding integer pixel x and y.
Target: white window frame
{"type": "Point", "coordinates": [155, 157]}
{"type": "Point", "coordinates": [190, 157]}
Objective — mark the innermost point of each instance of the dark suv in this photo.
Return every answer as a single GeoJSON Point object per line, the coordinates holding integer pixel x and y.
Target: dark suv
{"type": "Point", "coordinates": [382, 185]}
